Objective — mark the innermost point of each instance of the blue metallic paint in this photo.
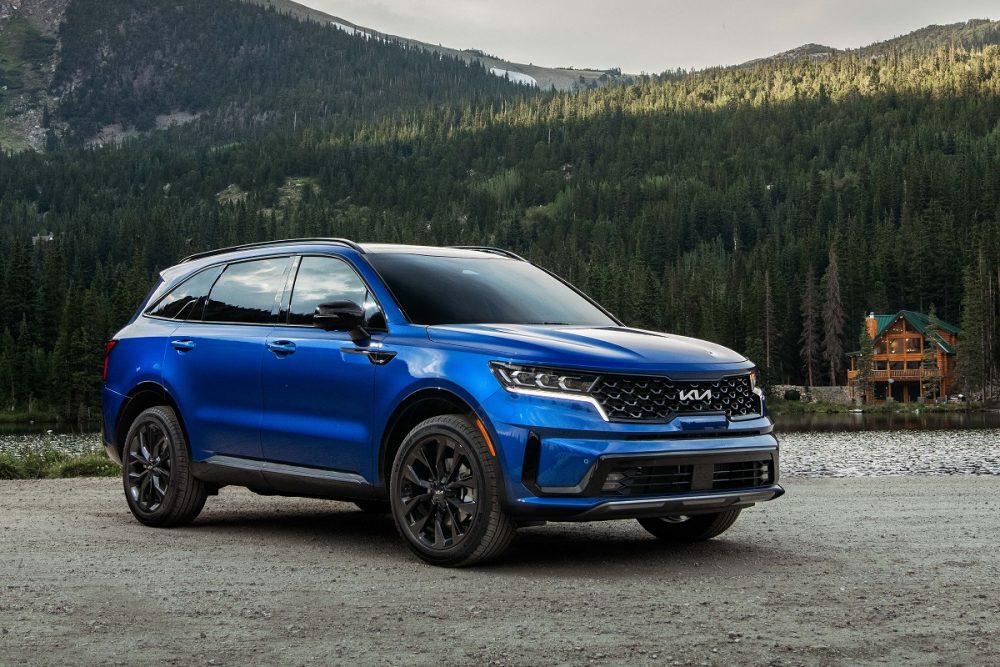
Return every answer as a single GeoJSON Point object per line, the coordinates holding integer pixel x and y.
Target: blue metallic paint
{"type": "Point", "coordinates": [326, 406]}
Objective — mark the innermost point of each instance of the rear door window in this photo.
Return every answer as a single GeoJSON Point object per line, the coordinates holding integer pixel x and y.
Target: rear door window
{"type": "Point", "coordinates": [185, 301]}
{"type": "Point", "coordinates": [246, 292]}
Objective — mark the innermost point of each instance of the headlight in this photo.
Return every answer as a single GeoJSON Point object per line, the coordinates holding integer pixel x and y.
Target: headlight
{"type": "Point", "coordinates": [536, 379]}
{"type": "Point", "coordinates": [753, 379]}
{"type": "Point", "coordinates": [548, 382]}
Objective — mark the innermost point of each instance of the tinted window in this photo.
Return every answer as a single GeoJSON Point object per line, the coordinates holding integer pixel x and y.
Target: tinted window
{"type": "Point", "coordinates": [323, 280]}
{"type": "Point", "coordinates": [183, 302]}
{"type": "Point", "coordinates": [495, 290]}
{"type": "Point", "coordinates": [246, 291]}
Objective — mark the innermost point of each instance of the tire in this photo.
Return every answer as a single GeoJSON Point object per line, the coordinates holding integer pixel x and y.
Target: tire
{"type": "Point", "coordinates": [691, 529]}
{"type": "Point", "coordinates": [156, 471]}
{"type": "Point", "coordinates": [374, 506]}
{"type": "Point", "coordinates": [445, 494]}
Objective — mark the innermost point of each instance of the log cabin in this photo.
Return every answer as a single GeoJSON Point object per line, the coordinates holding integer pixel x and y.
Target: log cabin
{"type": "Point", "coordinates": [900, 369]}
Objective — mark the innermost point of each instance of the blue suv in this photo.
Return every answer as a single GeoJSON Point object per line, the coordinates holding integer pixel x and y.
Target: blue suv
{"type": "Point", "coordinates": [464, 390]}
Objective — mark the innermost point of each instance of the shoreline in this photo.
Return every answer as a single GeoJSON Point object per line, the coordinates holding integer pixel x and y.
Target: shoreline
{"type": "Point", "coordinates": [778, 406]}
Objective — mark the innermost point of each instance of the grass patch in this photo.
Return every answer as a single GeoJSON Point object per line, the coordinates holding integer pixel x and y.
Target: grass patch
{"type": "Point", "coordinates": [46, 462]}
{"type": "Point", "coordinates": [23, 51]}
{"type": "Point", "coordinates": [29, 418]}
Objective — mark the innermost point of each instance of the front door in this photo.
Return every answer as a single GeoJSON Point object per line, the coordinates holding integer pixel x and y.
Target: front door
{"type": "Point", "coordinates": [318, 385]}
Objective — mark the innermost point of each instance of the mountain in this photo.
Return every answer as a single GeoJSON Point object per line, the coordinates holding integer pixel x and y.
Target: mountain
{"type": "Point", "coordinates": [545, 78]}
{"type": "Point", "coordinates": [702, 203]}
{"type": "Point", "coordinates": [127, 67]}
{"type": "Point", "coordinates": [972, 34]}
{"type": "Point", "coordinates": [123, 68]}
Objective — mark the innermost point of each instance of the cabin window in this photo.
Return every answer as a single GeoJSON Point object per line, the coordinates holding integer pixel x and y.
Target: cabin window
{"type": "Point", "coordinates": [895, 365]}
{"type": "Point", "coordinates": [880, 365]}
{"type": "Point", "coordinates": [895, 346]}
{"type": "Point", "coordinates": [912, 345]}
{"type": "Point", "coordinates": [881, 348]}
{"type": "Point", "coordinates": [912, 365]}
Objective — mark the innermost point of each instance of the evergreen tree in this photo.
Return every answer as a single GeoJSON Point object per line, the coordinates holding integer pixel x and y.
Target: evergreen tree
{"type": "Point", "coordinates": [930, 372]}
{"type": "Point", "coordinates": [833, 319]}
{"type": "Point", "coordinates": [865, 363]}
{"type": "Point", "coordinates": [770, 333]}
{"type": "Point", "coordinates": [973, 351]}
{"type": "Point", "coordinates": [809, 340]}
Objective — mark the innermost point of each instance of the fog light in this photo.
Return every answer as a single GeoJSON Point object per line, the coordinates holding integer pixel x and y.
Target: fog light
{"type": "Point", "coordinates": [612, 481]}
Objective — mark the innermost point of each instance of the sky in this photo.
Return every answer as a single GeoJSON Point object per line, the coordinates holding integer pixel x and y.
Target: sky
{"type": "Point", "coordinates": [648, 35]}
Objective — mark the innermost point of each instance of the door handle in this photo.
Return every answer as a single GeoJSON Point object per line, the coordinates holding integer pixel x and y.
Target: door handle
{"type": "Point", "coordinates": [183, 345]}
{"type": "Point", "coordinates": [281, 347]}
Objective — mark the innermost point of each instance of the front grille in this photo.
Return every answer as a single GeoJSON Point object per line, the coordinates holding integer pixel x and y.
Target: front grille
{"type": "Point", "coordinates": [640, 398]}
{"type": "Point", "coordinates": [636, 478]}
{"type": "Point", "coordinates": [741, 474]}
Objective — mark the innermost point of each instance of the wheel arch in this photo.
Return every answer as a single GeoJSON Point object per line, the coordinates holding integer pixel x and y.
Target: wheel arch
{"type": "Point", "coordinates": [415, 408]}
{"type": "Point", "coordinates": [143, 396]}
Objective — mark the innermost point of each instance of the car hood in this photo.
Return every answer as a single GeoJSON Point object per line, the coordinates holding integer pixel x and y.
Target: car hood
{"type": "Point", "coordinates": [597, 348]}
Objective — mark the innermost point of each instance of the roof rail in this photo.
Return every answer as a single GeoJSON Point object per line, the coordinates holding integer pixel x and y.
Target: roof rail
{"type": "Point", "coordinates": [263, 244]}
{"type": "Point", "coordinates": [495, 251]}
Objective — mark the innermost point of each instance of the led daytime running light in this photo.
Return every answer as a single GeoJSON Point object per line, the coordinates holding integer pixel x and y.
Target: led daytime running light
{"type": "Point", "coordinates": [515, 377]}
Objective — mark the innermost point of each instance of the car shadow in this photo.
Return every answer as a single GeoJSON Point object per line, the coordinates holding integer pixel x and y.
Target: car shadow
{"type": "Point", "coordinates": [304, 524]}
{"type": "Point", "coordinates": [620, 548]}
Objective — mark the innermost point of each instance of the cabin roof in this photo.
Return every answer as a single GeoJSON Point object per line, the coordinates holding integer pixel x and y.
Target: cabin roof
{"type": "Point", "coordinates": [918, 321]}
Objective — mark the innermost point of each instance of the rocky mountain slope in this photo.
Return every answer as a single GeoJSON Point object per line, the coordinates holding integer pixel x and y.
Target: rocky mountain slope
{"type": "Point", "coordinates": [28, 31]}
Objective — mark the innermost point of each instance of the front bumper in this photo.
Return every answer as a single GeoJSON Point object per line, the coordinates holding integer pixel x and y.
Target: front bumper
{"type": "Point", "coordinates": [632, 485]}
{"type": "Point", "coordinates": [564, 463]}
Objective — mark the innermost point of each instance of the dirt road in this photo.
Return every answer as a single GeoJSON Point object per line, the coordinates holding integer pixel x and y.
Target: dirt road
{"type": "Point", "coordinates": [887, 570]}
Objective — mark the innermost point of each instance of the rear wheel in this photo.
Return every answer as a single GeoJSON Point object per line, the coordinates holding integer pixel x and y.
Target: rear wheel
{"type": "Point", "coordinates": [445, 494]}
{"type": "Point", "coordinates": [690, 528]}
{"type": "Point", "coordinates": [159, 487]}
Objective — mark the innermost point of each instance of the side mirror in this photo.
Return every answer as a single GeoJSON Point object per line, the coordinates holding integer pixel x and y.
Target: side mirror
{"type": "Point", "coordinates": [339, 316]}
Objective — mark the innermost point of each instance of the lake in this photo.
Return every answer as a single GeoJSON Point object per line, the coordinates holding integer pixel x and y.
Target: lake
{"type": "Point", "coordinates": [905, 421]}
{"type": "Point", "coordinates": [815, 445]}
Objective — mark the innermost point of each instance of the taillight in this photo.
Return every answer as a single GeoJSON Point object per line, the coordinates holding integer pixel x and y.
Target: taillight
{"type": "Point", "coordinates": [110, 345]}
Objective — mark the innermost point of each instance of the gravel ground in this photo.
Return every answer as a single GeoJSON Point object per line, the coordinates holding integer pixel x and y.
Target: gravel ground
{"type": "Point", "coordinates": [897, 570]}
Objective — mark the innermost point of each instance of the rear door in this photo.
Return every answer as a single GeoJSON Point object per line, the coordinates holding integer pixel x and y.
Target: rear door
{"type": "Point", "coordinates": [319, 385]}
{"type": "Point", "coordinates": [213, 360]}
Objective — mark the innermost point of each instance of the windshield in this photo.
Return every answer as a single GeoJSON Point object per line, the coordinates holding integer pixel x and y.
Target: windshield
{"type": "Point", "coordinates": [482, 290]}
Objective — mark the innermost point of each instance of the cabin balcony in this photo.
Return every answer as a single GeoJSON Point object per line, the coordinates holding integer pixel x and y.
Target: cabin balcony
{"type": "Point", "coordinates": [900, 374]}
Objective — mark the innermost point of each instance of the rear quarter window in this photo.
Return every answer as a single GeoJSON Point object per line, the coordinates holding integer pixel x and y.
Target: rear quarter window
{"type": "Point", "coordinates": [185, 301]}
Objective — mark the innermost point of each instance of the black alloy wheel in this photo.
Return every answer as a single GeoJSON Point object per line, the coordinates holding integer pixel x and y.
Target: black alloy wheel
{"type": "Point", "coordinates": [439, 492]}
{"type": "Point", "coordinates": [148, 466]}
{"type": "Point", "coordinates": [445, 490]}
{"type": "Point", "coordinates": [159, 487]}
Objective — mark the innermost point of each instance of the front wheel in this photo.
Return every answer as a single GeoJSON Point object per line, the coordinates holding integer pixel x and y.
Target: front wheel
{"type": "Point", "coordinates": [445, 494]}
{"type": "Point", "coordinates": [690, 528]}
{"type": "Point", "coordinates": [156, 471]}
